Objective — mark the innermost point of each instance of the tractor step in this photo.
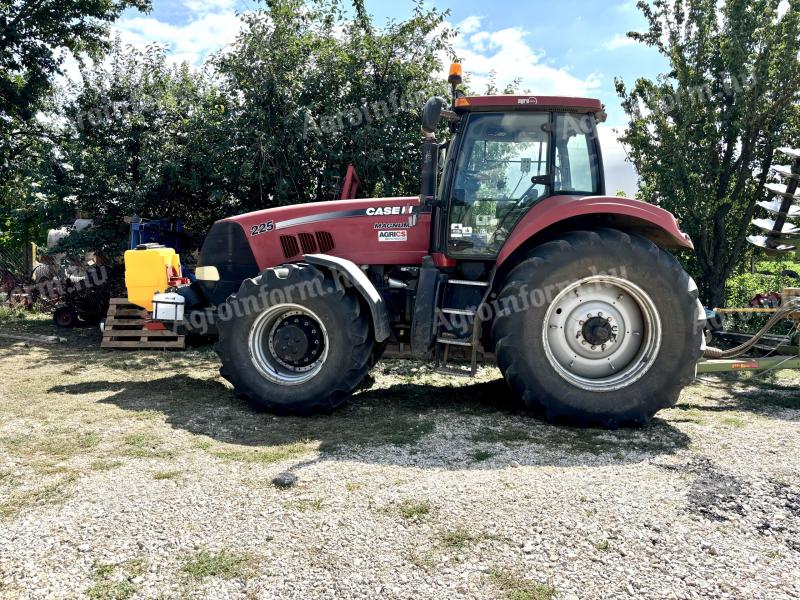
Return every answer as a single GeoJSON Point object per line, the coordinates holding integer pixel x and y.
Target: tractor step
{"type": "Point", "coordinates": [447, 339]}
{"type": "Point", "coordinates": [454, 341]}
{"type": "Point", "coordinates": [459, 311]}
{"type": "Point", "coordinates": [468, 282]}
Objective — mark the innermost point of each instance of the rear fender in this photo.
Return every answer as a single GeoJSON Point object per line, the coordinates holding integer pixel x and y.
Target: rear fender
{"type": "Point", "coordinates": [564, 213]}
{"type": "Point", "coordinates": [356, 277]}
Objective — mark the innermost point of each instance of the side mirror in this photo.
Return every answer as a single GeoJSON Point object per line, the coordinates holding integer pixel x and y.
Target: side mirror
{"type": "Point", "coordinates": [431, 113]}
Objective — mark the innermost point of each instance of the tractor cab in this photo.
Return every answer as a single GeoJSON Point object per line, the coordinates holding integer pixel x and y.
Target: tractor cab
{"type": "Point", "coordinates": [507, 154]}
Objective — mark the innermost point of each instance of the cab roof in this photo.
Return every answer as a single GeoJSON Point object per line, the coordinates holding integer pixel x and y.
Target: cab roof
{"type": "Point", "coordinates": [565, 103]}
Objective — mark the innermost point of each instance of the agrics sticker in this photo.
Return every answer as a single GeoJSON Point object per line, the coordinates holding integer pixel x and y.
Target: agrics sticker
{"type": "Point", "coordinates": [393, 236]}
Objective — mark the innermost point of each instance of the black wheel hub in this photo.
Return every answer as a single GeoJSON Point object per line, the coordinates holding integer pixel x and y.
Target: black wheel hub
{"type": "Point", "coordinates": [297, 341]}
{"type": "Point", "coordinates": [597, 331]}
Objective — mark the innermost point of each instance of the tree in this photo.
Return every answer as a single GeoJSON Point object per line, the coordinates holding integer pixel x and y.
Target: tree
{"type": "Point", "coordinates": [312, 90]}
{"type": "Point", "coordinates": [702, 137]}
{"type": "Point", "coordinates": [35, 36]}
{"type": "Point", "coordinates": [143, 137]}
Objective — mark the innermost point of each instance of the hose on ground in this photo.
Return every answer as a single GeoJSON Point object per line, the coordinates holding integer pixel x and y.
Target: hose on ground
{"type": "Point", "coordinates": [782, 312]}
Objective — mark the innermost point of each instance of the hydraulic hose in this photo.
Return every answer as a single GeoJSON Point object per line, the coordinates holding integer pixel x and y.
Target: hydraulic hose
{"type": "Point", "coordinates": [782, 312]}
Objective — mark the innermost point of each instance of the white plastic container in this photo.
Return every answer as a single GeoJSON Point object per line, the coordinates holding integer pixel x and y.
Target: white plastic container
{"type": "Point", "coordinates": [168, 307]}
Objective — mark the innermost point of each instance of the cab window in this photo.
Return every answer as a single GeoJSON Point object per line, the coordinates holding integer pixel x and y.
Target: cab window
{"type": "Point", "coordinates": [502, 171]}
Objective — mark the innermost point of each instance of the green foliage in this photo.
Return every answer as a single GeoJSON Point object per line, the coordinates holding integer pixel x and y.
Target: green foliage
{"type": "Point", "coordinates": [142, 138]}
{"type": "Point", "coordinates": [304, 91]}
{"type": "Point", "coordinates": [703, 135]}
{"type": "Point", "coordinates": [32, 35]}
{"type": "Point", "coordinates": [35, 37]}
{"type": "Point", "coordinates": [108, 239]}
{"type": "Point", "coordinates": [329, 90]}
{"type": "Point", "coordinates": [743, 287]}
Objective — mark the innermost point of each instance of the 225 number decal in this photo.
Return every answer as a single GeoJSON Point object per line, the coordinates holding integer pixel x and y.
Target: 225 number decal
{"type": "Point", "coordinates": [262, 228]}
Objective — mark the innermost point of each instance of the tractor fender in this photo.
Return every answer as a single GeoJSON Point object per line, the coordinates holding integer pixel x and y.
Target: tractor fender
{"type": "Point", "coordinates": [560, 213]}
{"type": "Point", "coordinates": [356, 277]}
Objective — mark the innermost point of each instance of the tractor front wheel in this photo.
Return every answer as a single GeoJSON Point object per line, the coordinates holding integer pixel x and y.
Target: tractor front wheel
{"type": "Point", "coordinates": [598, 328]}
{"type": "Point", "coordinates": [293, 342]}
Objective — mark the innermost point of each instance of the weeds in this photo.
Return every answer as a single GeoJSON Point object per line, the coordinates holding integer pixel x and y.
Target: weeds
{"type": "Point", "coordinates": [226, 565]}
{"type": "Point", "coordinates": [519, 588]}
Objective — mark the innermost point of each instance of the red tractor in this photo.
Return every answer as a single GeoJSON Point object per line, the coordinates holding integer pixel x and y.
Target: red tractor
{"type": "Point", "coordinates": [511, 249]}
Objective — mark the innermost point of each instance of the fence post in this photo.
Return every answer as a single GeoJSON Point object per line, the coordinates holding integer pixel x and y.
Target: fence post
{"type": "Point", "coordinates": [28, 258]}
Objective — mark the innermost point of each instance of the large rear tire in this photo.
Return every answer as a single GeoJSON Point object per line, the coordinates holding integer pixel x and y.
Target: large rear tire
{"type": "Point", "coordinates": [292, 341]}
{"type": "Point", "coordinates": [598, 328]}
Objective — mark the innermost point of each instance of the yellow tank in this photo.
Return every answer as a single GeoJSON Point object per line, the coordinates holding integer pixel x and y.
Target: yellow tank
{"type": "Point", "coordinates": [147, 272]}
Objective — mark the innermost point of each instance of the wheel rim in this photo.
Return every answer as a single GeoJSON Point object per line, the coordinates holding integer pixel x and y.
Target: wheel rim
{"type": "Point", "coordinates": [602, 333]}
{"type": "Point", "coordinates": [288, 344]}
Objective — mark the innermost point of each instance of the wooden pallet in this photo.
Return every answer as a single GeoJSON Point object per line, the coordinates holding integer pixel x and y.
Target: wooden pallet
{"type": "Point", "coordinates": [125, 329]}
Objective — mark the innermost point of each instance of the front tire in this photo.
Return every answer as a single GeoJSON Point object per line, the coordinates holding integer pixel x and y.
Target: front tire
{"type": "Point", "coordinates": [293, 342]}
{"type": "Point", "coordinates": [609, 335]}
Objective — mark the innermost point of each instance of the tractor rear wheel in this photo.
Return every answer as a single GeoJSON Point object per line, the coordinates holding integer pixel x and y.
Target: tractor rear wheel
{"type": "Point", "coordinates": [293, 342]}
{"type": "Point", "coordinates": [598, 328]}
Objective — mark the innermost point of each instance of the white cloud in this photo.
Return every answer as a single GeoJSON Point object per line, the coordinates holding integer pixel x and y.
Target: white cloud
{"type": "Point", "coordinates": [509, 54]}
{"type": "Point", "coordinates": [210, 6]}
{"type": "Point", "coordinates": [619, 41]}
{"type": "Point", "coordinates": [626, 7]}
{"type": "Point", "coordinates": [191, 42]}
{"type": "Point", "coordinates": [469, 25]}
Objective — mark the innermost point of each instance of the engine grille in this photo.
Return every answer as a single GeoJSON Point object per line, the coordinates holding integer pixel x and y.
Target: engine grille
{"type": "Point", "coordinates": [290, 246]}
{"type": "Point", "coordinates": [325, 241]}
{"type": "Point", "coordinates": [306, 243]}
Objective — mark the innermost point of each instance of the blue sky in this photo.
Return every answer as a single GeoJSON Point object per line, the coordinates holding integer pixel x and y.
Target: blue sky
{"type": "Point", "coordinates": [568, 48]}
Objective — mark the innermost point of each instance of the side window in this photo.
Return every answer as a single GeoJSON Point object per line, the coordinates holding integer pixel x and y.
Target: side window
{"type": "Point", "coordinates": [576, 168]}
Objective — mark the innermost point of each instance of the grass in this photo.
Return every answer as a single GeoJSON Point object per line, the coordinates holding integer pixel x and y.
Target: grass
{"type": "Point", "coordinates": [480, 455]}
{"type": "Point", "coordinates": [145, 444]}
{"type": "Point", "coordinates": [52, 494]}
{"type": "Point", "coordinates": [314, 505]}
{"type": "Point", "coordinates": [519, 588]}
{"type": "Point", "coordinates": [457, 538]}
{"type": "Point", "coordinates": [10, 315]}
{"type": "Point", "coordinates": [421, 560]}
{"type": "Point", "coordinates": [224, 564]}
{"type": "Point", "coordinates": [114, 581]}
{"type": "Point", "coordinates": [503, 435]}
{"type": "Point", "coordinates": [735, 422]}
{"type": "Point", "coordinates": [105, 465]}
{"type": "Point", "coordinates": [414, 510]}
{"type": "Point", "coordinates": [162, 475]}
{"type": "Point", "coordinates": [51, 444]}
{"type": "Point", "coordinates": [265, 456]}
{"type": "Point", "coordinates": [603, 545]}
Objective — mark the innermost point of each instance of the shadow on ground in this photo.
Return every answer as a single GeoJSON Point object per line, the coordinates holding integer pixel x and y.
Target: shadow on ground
{"type": "Point", "coordinates": [471, 423]}
{"type": "Point", "coordinates": [751, 392]}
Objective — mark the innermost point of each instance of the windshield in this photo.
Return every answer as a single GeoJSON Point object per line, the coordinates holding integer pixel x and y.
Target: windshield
{"type": "Point", "coordinates": [504, 168]}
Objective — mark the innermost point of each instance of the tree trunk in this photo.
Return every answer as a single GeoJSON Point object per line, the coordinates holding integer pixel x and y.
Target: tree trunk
{"type": "Point", "coordinates": [714, 284]}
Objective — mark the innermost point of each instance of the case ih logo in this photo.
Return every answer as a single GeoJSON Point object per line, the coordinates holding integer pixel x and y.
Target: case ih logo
{"type": "Point", "coordinates": [390, 210]}
{"type": "Point", "coordinates": [392, 236]}
{"type": "Point", "coordinates": [531, 100]}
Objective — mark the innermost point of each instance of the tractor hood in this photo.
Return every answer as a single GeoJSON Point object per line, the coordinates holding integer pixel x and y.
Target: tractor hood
{"type": "Point", "coordinates": [296, 215]}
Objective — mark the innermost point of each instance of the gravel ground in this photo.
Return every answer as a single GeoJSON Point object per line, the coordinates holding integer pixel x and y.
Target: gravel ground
{"type": "Point", "coordinates": [139, 476]}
